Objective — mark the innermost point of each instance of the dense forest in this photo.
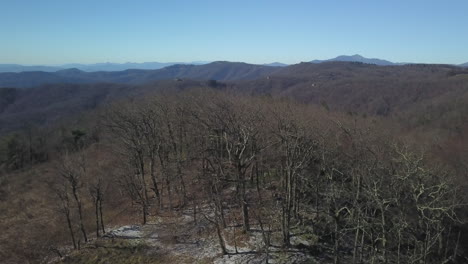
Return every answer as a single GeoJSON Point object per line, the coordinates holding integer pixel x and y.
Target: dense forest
{"type": "Point", "coordinates": [341, 162]}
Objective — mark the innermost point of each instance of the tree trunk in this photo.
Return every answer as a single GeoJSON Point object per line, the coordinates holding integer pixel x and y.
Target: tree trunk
{"type": "Point", "coordinates": [285, 227]}
{"type": "Point", "coordinates": [168, 187]}
{"type": "Point", "coordinates": [154, 180]}
{"type": "Point", "coordinates": [182, 183]}
{"type": "Point", "coordinates": [102, 219]}
{"type": "Point", "coordinates": [70, 228]}
{"type": "Point", "coordinates": [384, 234]}
{"type": "Point", "coordinates": [221, 240]}
{"type": "Point", "coordinates": [336, 247]}
{"type": "Point", "coordinates": [194, 211]}
{"type": "Point", "coordinates": [287, 209]}
{"type": "Point", "coordinates": [356, 238]}
{"type": "Point", "coordinates": [144, 210]}
{"type": "Point", "coordinates": [143, 178]}
{"type": "Point", "coordinates": [245, 208]}
{"type": "Point", "coordinates": [80, 213]}
{"type": "Point", "coordinates": [96, 206]}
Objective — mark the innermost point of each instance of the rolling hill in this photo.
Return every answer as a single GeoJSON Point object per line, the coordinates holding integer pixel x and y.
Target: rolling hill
{"type": "Point", "coordinates": [418, 94]}
{"type": "Point", "coordinates": [48, 103]}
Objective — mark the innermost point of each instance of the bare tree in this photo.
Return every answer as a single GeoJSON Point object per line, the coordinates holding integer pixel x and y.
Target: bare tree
{"type": "Point", "coordinates": [132, 183]}
{"type": "Point", "coordinates": [62, 194]}
{"type": "Point", "coordinates": [151, 127]}
{"type": "Point", "coordinates": [97, 194]}
{"type": "Point", "coordinates": [125, 125]}
{"type": "Point", "coordinates": [295, 148]}
{"type": "Point", "coordinates": [72, 169]}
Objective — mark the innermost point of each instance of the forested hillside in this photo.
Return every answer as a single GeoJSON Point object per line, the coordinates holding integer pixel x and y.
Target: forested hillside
{"type": "Point", "coordinates": [47, 104]}
{"type": "Point", "coordinates": [308, 182]}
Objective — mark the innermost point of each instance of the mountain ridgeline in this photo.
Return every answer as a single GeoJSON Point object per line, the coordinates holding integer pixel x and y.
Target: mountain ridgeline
{"type": "Point", "coordinates": [359, 58]}
{"type": "Point", "coordinates": [222, 71]}
{"type": "Point", "coordinates": [108, 66]}
{"type": "Point", "coordinates": [92, 67]}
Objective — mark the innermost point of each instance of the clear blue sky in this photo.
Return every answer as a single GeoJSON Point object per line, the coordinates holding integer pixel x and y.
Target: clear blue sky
{"type": "Point", "coordinates": [255, 31]}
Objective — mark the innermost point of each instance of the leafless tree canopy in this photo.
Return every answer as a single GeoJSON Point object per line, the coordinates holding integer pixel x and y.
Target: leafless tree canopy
{"type": "Point", "coordinates": [352, 189]}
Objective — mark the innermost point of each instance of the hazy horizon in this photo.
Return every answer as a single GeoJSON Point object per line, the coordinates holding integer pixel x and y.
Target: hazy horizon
{"type": "Point", "coordinates": [57, 32]}
{"type": "Point", "coordinates": [206, 62]}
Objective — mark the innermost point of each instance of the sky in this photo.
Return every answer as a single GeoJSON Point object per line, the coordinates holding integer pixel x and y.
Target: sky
{"type": "Point", "coordinates": [51, 32]}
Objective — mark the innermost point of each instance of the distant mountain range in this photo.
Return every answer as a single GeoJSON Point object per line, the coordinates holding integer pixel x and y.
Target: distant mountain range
{"type": "Point", "coordinates": [276, 64]}
{"type": "Point", "coordinates": [126, 66]}
{"type": "Point", "coordinates": [221, 71]}
{"type": "Point", "coordinates": [94, 67]}
{"type": "Point", "coordinates": [22, 68]}
{"type": "Point", "coordinates": [110, 67]}
{"type": "Point", "coordinates": [359, 58]}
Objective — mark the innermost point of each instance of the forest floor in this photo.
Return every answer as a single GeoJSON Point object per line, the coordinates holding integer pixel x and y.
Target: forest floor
{"type": "Point", "coordinates": [178, 238]}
